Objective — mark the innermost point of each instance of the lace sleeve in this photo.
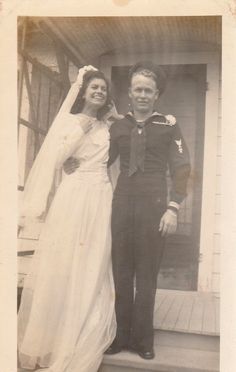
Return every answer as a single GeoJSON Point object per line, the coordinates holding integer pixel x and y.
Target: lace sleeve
{"type": "Point", "coordinates": [69, 140]}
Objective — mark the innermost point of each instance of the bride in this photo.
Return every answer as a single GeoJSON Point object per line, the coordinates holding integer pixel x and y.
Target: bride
{"type": "Point", "coordinates": [66, 318]}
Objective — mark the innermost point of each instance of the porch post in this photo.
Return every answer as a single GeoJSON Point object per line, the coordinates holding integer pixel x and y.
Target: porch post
{"type": "Point", "coordinates": [208, 217]}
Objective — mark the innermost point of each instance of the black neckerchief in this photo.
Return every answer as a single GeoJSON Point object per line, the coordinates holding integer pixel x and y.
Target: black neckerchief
{"type": "Point", "coordinates": [138, 141]}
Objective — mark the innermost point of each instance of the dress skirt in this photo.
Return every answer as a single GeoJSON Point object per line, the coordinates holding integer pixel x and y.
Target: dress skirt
{"type": "Point", "coordinates": [66, 318]}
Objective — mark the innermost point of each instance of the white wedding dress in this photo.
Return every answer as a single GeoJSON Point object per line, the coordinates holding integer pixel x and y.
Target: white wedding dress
{"type": "Point", "coordinates": [67, 319]}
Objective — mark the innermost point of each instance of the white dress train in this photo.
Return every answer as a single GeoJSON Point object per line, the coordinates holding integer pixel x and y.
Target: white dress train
{"type": "Point", "coordinates": [66, 318]}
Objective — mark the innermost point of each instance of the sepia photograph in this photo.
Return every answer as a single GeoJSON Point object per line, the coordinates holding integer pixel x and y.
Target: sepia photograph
{"type": "Point", "coordinates": [119, 197]}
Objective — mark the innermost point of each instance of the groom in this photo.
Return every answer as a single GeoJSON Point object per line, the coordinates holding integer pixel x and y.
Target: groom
{"type": "Point", "coordinates": [147, 143]}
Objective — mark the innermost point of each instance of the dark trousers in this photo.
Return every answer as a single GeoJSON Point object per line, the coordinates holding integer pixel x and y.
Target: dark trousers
{"type": "Point", "coordinates": [137, 248]}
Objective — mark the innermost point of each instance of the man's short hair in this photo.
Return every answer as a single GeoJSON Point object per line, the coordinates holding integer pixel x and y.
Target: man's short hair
{"type": "Point", "coordinates": [149, 69]}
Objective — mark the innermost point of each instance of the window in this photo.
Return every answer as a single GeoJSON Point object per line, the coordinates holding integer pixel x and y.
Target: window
{"type": "Point", "coordinates": [40, 93]}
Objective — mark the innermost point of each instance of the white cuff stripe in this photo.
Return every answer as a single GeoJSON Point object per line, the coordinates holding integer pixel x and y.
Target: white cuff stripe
{"type": "Point", "coordinates": [174, 204]}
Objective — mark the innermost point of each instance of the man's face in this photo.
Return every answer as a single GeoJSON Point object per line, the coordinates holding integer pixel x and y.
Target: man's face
{"type": "Point", "coordinates": [143, 93]}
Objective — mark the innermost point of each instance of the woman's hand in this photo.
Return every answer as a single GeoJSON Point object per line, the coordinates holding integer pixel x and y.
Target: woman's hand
{"type": "Point", "coordinates": [168, 223]}
{"type": "Point", "coordinates": [82, 71]}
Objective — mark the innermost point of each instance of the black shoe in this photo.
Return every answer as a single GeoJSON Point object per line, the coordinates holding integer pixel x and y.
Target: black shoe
{"type": "Point", "coordinates": [146, 354]}
{"type": "Point", "coordinates": [113, 349]}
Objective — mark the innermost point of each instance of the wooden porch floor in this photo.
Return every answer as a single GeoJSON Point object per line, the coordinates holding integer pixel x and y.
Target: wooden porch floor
{"type": "Point", "coordinates": [185, 311]}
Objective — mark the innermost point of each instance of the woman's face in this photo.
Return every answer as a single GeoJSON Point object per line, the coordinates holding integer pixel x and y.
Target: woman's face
{"type": "Point", "coordinates": [96, 93]}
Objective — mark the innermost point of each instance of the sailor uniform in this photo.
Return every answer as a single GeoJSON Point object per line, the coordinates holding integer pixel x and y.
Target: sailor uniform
{"type": "Point", "coordinates": [146, 149]}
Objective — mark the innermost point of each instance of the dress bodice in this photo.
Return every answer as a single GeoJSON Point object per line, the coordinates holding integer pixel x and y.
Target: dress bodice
{"type": "Point", "coordinates": [92, 151]}
{"type": "Point", "coordinates": [91, 148]}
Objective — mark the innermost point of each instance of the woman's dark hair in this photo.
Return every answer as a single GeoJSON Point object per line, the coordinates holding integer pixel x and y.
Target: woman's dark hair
{"type": "Point", "coordinates": [79, 101]}
{"type": "Point", "coordinates": [149, 69]}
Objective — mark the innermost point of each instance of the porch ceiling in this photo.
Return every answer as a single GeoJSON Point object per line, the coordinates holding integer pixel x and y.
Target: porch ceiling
{"type": "Point", "coordinates": [90, 37]}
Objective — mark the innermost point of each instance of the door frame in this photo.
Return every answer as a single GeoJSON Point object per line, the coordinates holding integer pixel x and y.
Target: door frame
{"type": "Point", "coordinates": [212, 98]}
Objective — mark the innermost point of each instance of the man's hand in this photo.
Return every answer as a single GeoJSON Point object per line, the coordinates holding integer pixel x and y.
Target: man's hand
{"type": "Point", "coordinates": [70, 165]}
{"type": "Point", "coordinates": [112, 114]}
{"type": "Point", "coordinates": [168, 223]}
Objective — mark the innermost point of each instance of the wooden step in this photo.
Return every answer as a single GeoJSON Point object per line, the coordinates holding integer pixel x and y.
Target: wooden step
{"type": "Point", "coordinates": [167, 359]}
{"type": "Point", "coordinates": [175, 352]}
{"type": "Point", "coordinates": [187, 340]}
